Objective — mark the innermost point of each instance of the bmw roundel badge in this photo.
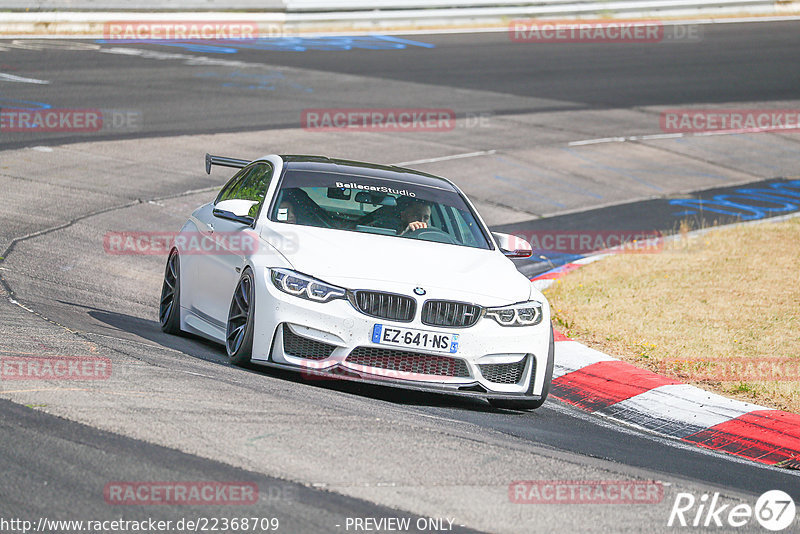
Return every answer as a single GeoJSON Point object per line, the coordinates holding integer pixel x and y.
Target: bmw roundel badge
{"type": "Point", "coordinates": [419, 291]}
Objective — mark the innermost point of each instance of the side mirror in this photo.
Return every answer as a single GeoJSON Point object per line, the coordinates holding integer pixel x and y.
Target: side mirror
{"type": "Point", "coordinates": [512, 246]}
{"type": "Point", "coordinates": [235, 210]}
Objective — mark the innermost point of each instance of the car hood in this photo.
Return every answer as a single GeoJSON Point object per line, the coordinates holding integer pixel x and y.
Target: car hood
{"type": "Point", "coordinates": [365, 261]}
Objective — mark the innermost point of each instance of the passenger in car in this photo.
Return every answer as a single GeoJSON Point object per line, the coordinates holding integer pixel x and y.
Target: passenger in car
{"type": "Point", "coordinates": [306, 212]}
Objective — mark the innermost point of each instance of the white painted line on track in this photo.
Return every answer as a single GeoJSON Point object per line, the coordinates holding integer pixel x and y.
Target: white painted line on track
{"type": "Point", "coordinates": [447, 158]}
{"type": "Point", "coordinates": [597, 141]}
{"type": "Point", "coordinates": [4, 77]}
{"type": "Point", "coordinates": [623, 139]}
{"type": "Point", "coordinates": [649, 137]}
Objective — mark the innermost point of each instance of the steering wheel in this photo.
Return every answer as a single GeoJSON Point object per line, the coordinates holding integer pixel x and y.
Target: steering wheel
{"type": "Point", "coordinates": [431, 233]}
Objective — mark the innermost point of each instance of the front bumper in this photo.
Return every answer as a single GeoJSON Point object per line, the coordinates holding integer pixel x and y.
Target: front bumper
{"type": "Point", "coordinates": [473, 390]}
{"type": "Point", "coordinates": [492, 361]}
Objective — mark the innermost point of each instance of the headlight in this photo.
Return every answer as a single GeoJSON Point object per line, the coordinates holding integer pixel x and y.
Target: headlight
{"type": "Point", "coordinates": [523, 314]}
{"type": "Point", "coordinates": [304, 286]}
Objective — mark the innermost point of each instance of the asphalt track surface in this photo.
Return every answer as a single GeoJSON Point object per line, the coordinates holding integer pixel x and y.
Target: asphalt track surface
{"type": "Point", "coordinates": [369, 449]}
{"type": "Point", "coordinates": [40, 488]}
{"type": "Point", "coordinates": [731, 64]}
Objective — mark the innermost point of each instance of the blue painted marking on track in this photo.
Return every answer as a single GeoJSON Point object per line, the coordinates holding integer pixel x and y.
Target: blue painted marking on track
{"type": "Point", "coordinates": [401, 41]}
{"type": "Point", "coordinates": [24, 105]}
{"type": "Point", "coordinates": [283, 44]}
{"type": "Point", "coordinates": [557, 260]}
{"type": "Point", "coordinates": [560, 267]}
{"type": "Point", "coordinates": [12, 103]}
{"type": "Point", "coordinates": [782, 196]}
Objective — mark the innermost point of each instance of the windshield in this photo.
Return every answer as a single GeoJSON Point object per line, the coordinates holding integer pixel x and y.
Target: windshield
{"type": "Point", "coordinates": [377, 206]}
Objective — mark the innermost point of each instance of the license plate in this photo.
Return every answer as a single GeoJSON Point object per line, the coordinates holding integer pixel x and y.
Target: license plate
{"type": "Point", "coordinates": [417, 339]}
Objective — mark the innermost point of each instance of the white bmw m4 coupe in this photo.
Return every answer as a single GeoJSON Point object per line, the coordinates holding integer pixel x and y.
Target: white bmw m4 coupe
{"type": "Point", "coordinates": [356, 271]}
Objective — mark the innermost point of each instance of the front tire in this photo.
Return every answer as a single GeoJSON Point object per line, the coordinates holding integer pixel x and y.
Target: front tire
{"type": "Point", "coordinates": [169, 310]}
{"type": "Point", "coordinates": [239, 330]}
{"type": "Point", "coordinates": [548, 378]}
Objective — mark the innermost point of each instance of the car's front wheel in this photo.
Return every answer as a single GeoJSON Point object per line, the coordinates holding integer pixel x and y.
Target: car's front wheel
{"type": "Point", "coordinates": [239, 331]}
{"type": "Point", "coordinates": [548, 378]}
{"type": "Point", "coordinates": [169, 311]}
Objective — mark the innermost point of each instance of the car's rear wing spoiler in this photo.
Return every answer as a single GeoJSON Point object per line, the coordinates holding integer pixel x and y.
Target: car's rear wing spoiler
{"type": "Point", "coordinates": [222, 161]}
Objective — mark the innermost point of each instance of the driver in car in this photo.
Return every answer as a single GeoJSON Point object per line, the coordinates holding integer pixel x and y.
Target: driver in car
{"type": "Point", "coordinates": [415, 216]}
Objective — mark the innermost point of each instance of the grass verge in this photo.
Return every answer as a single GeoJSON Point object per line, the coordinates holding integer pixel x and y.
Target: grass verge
{"type": "Point", "coordinates": [719, 310]}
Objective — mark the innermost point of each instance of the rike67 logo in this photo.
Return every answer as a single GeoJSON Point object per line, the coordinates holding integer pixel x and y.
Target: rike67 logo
{"type": "Point", "coordinates": [774, 510]}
